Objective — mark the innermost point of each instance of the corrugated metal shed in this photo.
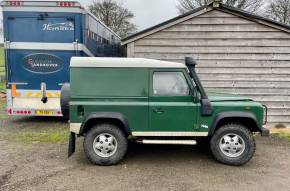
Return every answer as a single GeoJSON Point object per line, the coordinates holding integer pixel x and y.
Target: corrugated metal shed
{"type": "Point", "coordinates": [237, 52]}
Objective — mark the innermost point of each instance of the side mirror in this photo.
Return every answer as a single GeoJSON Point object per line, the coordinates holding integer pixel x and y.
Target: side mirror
{"type": "Point", "coordinates": [206, 107]}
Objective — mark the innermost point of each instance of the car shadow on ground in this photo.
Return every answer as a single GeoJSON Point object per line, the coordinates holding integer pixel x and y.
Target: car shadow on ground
{"type": "Point", "coordinates": [23, 122]}
{"type": "Point", "coordinates": [39, 119]}
{"type": "Point", "coordinates": [154, 153]}
{"type": "Point", "coordinates": [167, 152]}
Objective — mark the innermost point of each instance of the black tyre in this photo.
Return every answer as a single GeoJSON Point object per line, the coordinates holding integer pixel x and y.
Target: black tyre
{"type": "Point", "coordinates": [64, 100]}
{"type": "Point", "coordinates": [233, 144]}
{"type": "Point", "coordinates": [105, 144]}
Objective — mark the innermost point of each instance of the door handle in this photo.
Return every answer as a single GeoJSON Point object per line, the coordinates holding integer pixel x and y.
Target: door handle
{"type": "Point", "coordinates": [158, 110]}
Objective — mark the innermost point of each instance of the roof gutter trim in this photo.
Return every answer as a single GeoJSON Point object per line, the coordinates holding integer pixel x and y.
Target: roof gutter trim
{"type": "Point", "coordinates": [253, 16]}
{"type": "Point", "coordinates": [199, 11]}
{"type": "Point", "coordinates": [166, 24]}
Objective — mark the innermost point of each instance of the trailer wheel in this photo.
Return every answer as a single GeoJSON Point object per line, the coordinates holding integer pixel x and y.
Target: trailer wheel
{"type": "Point", "coordinates": [64, 100]}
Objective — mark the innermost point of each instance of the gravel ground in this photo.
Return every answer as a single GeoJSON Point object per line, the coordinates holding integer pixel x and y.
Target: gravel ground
{"type": "Point", "coordinates": [30, 164]}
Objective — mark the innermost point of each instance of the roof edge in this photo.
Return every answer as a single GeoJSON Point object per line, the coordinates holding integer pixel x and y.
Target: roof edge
{"type": "Point", "coordinates": [242, 13]}
{"type": "Point", "coordinates": [254, 16]}
{"type": "Point", "coordinates": [106, 62]}
{"type": "Point", "coordinates": [128, 38]}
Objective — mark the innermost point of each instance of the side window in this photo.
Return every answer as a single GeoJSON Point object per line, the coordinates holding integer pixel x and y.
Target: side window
{"type": "Point", "coordinates": [170, 84]}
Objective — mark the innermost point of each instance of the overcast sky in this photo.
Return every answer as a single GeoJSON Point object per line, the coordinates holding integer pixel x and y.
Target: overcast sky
{"type": "Point", "coordinates": [148, 12]}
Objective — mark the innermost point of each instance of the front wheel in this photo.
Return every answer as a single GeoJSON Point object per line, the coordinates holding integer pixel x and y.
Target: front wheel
{"type": "Point", "coordinates": [105, 144]}
{"type": "Point", "coordinates": [233, 144]}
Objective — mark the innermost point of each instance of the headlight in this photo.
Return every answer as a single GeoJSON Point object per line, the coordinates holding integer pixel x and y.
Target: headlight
{"type": "Point", "coordinates": [265, 114]}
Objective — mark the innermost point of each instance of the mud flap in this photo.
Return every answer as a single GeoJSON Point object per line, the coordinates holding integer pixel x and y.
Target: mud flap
{"type": "Point", "coordinates": [265, 132]}
{"type": "Point", "coordinates": [71, 144]}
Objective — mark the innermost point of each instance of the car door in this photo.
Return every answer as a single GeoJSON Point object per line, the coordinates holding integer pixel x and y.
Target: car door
{"type": "Point", "coordinates": [172, 106]}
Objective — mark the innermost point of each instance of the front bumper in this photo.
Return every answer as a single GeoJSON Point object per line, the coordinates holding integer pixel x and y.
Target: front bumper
{"type": "Point", "coordinates": [265, 132]}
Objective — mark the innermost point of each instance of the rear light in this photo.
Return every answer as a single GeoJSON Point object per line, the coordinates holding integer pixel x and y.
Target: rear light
{"type": "Point", "coordinates": [65, 4]}
{"type": "Point", "coordinates": [9, 111]}
{"type": "Point", "coordinates": [19, 112]}
{"type": "Point", "coordinates": [14, 3]}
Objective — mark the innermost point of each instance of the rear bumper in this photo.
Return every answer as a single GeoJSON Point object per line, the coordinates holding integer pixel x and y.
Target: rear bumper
{"type": "Point", "coordinates": [28, 103]}
{"type": "Point", "coordinates": [14, 111]}
{"type": "Point", "coordinates": [265, 132]}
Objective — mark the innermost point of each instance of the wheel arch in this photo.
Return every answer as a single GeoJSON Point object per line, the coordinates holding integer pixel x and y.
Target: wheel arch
{"type": "Point", "coordinates": [101, 117]}
{"type": "Point", "coordinates": [245, 118]}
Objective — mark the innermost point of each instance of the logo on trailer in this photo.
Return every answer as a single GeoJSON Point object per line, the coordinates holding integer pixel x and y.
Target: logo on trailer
{"type": "Point", "coordinates": [66, 26]}
{"type": "Point", "coordinates": [42, 63]}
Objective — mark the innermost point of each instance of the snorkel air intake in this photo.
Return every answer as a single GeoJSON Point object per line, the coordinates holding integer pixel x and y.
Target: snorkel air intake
{"type": "Point", "coordinates": [206, 107]}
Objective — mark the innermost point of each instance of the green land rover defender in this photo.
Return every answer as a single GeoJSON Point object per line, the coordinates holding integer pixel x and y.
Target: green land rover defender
{"type": "Point", "coordinates": [112, 100]}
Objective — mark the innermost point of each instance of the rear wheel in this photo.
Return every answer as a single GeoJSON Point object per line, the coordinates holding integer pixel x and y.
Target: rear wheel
{"type": "Point", "coordinates": [233, 144]}
{"type": "Point", "coordinates": [105, 144]}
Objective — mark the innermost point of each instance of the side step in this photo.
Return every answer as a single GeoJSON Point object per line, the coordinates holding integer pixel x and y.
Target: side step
{"type": "Point", "coordinates": [168, 142]}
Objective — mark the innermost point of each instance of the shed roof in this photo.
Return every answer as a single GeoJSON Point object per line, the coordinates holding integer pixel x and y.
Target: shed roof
{"type": "Point", "coordinates": [202, 10]}
{"type": "Point", "coordinates": [102, 62]}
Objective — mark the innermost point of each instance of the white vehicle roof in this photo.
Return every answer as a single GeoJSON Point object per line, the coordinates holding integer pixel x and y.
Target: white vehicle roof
{"type": "Point", "coordinates": [101, 62]}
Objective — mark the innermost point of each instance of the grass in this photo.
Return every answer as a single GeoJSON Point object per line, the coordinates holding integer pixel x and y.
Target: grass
{"type": "Point", "coordinates": [2, 61]}
{"type": "Point", "coordinates": [2, 110]}
{"type": "Point", "coordinates": [2, 58]}
{"type": "Point", "coordinates": [49, 136]}
{"type": "Point", "coordinates": [284, 135]}
{"type": "Point", "coordinates": [31, 130]}
{"type": "Point", "coordinates": [281, 133]}
{"type": "Point", "coordinates": [2, 73]}
{"type": "Point", "coordinates": [27, 136]}
{"type": "Point", "coordinates": [3, 86]}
